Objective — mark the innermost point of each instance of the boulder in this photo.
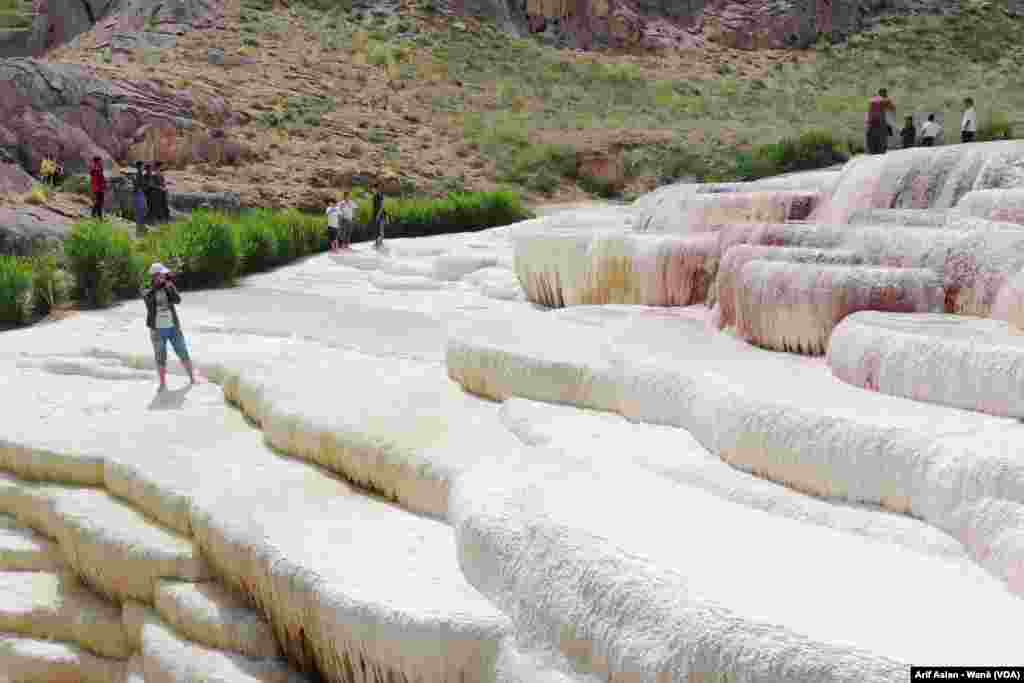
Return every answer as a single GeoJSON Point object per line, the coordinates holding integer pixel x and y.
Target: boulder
{"type": "Point", "coordinates": [64, 112]}
{"type": "Point", "coordinates": [24, 231]}
{"type": "Point", "coordinates": [14, 180]}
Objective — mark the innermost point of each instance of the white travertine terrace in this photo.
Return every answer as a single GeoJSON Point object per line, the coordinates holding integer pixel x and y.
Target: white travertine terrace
{"type": "Point", "coordinates": [546, 545]}
{"type": "Point", "coordinates": [922, 178]}
{"type": "Point", "coordinates": [978, 266]}
{"type": "Point", "coordinates": [997, 205]}
{"type": "Point", "coordinates": [1009, 303]}
{"type": "Point", "coordinates": [407, 468]}
{"type": "Point", "coordinates": [959, 361]}
{"type": "Point", "coordinates": [724, 292]}
{"type": "Point", "coordinates": [795, 306]}
{"type": "Point", "coordinates": [568, 268]}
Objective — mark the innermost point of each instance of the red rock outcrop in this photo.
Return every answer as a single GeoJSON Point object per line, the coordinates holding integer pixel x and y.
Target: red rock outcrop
{"type": "Point", "coordinates": [64, 112]}
{"type": "Point", "coordinates": [120, 23]}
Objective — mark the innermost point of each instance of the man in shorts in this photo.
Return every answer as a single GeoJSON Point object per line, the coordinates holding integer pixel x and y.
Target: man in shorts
{"type": "Point", "coordinates": [163, 323]}
{"type": "Point", "coordinates": [333, 214]}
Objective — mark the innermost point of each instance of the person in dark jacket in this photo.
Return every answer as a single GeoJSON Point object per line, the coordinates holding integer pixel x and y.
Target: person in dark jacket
{"type": "Point", "coordinates": [139, 183]}
{"type": "Point", "coordinates": [909, 133]}
{"type": "Point", "coordinates": [99, 187]}
{"type": "Point", "coordinates": [158, 189]}
{"type": "Point", "coordinates": [378, 215]}
{"type": "Point", "coordinates": [164, 324]}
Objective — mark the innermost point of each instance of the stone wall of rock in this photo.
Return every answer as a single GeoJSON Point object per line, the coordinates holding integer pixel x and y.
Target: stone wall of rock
{"type": "Point", "coordinates": [124, 23]}
{"type": "Point", "coordinates": [744, 24]}
{"type": "Point", "coordinates": [64, 112]}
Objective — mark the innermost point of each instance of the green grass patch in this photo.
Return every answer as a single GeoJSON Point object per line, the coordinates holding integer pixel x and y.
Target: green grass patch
{"type": "Point", "coordinates": [15, 290]}
{"type": "Point", "coordinates": [306, 111]}
{"type": "Point", "coordinates": [812, 150]}
{"type": "Point", "coordinates": [15, 14]}
{"type": "Point", "coordinates": [104, 263]}
{"type": "Point", "coordinates": [203, 250]}
{"type": "Point", "coordinates": [460, 212]}
{"type": "Point", "coordinates": [30, 287]}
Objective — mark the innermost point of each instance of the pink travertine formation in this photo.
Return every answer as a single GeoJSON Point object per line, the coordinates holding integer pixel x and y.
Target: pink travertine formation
{"type": "Point", "coordinates": [712, 212]}
{"type": "Point", "coordinates": [781, 235]}
{"type": "Point", "coordinates": [732, 263]}
{"type": "Point", "coordinates": [795, 306]}
{"type": "Point", "coordinates": [903, 218]}
{"type": "Point", "coordinates": [903, 247]}
{"type": "Point", "coordinates": [978, 266]}
{"type": "Point", "coordinates": [958, 361]}
{"type": "Point", "coordinates": [1009, 304]}
{"type": "Point", "coordinates": [677, 271]}
{"type": "Point", "coordinates": [571, 268]}
{"type": "Point", "coordinates": [922, 178]}
{"type": "Point", "coordinates": [995, 205]}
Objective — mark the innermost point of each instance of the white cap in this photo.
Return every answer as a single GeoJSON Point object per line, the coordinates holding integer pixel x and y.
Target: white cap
{"type": "Point", "coordinates": [158, 269]}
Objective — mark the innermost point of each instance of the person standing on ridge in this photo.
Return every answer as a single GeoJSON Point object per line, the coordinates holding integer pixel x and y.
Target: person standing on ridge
{"type": "Point", "coordinates": [908, 134]}
{"type": "Point", "coordinates": [877, 123]}
{"type": "Point", "coordinates": [99, 187]}
{"type": "Point", "coordinates": [929, 131]}
{"type": "Point", "coordinates": [969, 125]}
{"type": "Point", "coordinates": [333, 214]}
{"type": "Point", "coordinates": [163, 323]}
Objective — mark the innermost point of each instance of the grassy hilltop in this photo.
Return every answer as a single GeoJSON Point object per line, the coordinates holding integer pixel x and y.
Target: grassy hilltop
{"type": "Point", "coordinates": [453, 104]}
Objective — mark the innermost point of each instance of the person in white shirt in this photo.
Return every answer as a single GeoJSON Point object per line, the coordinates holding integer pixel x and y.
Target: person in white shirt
{"type": "Point", "coordinates": [929, 131]}
{"type": "Point", "coordinates": [347, 209]}
{"type": "Point", "coordinates": [332, 226]}
{"type": "Point", "coordinates": [969, 125]}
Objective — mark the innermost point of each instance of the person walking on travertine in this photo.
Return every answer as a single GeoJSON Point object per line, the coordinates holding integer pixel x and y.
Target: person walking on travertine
{"type": "Point", "coordinates": [164, 324]}
{"type": "Point", "coordinates": [969, 125]}
{"type": "Point", "coordinates": [877, 123]}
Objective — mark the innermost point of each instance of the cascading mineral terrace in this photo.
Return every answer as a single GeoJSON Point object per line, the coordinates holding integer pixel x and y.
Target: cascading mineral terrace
{"type": "Point", "coordinates": [795, 306]}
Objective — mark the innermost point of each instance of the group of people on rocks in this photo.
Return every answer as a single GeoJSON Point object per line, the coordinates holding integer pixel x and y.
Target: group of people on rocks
{"type": "Point", "coordinates": [149, 192]}
{"type": "Point", "coordinates": [879, 130]}
{"type": "Point", "coordinates": [341, 220]}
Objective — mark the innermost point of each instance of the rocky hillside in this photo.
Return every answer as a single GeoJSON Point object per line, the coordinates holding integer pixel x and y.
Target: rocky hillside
{"type": "Point", "coordinates": [286, 102]}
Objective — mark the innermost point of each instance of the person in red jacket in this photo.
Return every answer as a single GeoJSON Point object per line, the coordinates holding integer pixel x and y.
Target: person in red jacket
{"type": "Point", "coordinates": [99, 187]}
